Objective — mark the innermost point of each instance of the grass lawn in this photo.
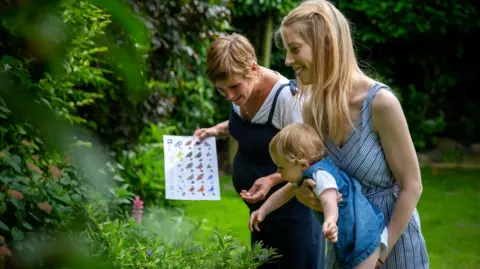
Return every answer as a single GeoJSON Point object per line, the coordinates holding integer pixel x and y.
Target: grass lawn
{"type": "Point", "coordinates": [229, 214]}
{"type": "Point", "coordinates": [449, 210]}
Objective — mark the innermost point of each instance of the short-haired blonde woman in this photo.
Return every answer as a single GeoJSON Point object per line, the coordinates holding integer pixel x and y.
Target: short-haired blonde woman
{"type": "Point", "coordinates": [261, 107]}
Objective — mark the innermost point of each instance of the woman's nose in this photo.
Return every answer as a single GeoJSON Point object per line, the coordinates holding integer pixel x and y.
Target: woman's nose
{"type": "Point", "coordinates": [229, 94]}
{"type": "Point", "coordinates": [288, 59]}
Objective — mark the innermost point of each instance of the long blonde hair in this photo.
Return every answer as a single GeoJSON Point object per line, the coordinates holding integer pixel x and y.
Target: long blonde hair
{"type": "Point", "coordinates": [327, 31]}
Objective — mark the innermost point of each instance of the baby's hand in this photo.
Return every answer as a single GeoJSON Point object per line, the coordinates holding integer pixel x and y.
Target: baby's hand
{"type": "Point", "coordinates": [256, 217]}
{"type": "Point", "coordinates": [330, 230]}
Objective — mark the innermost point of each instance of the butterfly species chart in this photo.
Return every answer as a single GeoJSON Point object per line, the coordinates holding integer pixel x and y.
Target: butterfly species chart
{"type": "Point", "coordinates": [191, 169]}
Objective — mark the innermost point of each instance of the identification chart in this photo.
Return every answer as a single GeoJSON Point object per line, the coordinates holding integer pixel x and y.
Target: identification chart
{"type": "Point", "coordinates": [191, 169]}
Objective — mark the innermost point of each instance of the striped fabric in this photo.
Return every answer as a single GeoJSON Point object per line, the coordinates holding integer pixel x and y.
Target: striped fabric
{"type": "Point", "coordinates": [362, 157]}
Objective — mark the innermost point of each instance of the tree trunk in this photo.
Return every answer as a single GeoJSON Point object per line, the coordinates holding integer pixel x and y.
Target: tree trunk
{"type": "Point", "coordinates": [267, 41]}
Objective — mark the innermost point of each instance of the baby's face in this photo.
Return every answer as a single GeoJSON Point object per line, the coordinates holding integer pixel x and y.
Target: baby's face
{"type": "Point", "coordinates": [290, 171]}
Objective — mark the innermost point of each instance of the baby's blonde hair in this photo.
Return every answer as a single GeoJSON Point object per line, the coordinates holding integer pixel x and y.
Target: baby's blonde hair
{"type": "Point", "coordinates": [228, 56]}
{"type": "Point", "coordinates": [297, 142]}
{"type": "Point", "coordinates": [335, 65]}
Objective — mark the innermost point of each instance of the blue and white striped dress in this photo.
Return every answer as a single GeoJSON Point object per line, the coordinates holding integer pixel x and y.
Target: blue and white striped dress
{"type": "Point", "coordinates": [362, 157]}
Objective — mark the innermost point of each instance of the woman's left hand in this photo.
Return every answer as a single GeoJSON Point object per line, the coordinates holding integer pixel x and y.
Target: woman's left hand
{"type": "Point", "coordinates": [258, 191]}
{"type": "Point", "coordinates": [306, 195]}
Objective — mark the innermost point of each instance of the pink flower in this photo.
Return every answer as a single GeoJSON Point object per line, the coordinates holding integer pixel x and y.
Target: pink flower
{"type": "Point", "coordinates": [5, 251]}
{"type": "Point", "coordinates": [15, 194]}
{"type": "Point", "coordinates": [26, 143]}
{"type": "Point", "coordinates": [55, 171]}
{"type": "Point", "coordinates": [137, 209]}
{"type": "Point", "coordinates": [34, 168]}
{"type": "Point", "coordinates": [44, 206]}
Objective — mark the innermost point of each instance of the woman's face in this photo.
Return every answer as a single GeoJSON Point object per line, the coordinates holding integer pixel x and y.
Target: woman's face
{"type": "Point", "coordinates": [299, 55]}
{"type": "Point", "coordinates": [236, 89]}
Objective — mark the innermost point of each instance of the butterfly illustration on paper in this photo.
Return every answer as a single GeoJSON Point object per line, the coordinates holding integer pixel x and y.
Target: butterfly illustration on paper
{"type": "Point", "coordinates": [189, 165]}
{"type": "Point", "coordinates": [179, 155]}
{"type": "Point", "coordinates": [210, 177]}
{"type": "Point", "coordinates": [198, 155]}
{"type": "Point", "coordinates": [200, 177]}
{"type": "Point", "coordinates": [188, 143]}
{"type": "Point", "coordinates": [199, 166]}
{"type": "Point", "coordinates": [189, 154]}
{"type": "Point", "coordinates": [178, 144]}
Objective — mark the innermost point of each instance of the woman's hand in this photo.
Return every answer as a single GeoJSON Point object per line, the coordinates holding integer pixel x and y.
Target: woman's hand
{"type": "Point", "coordinates": [203, 133]}
{"type": "Point", "coordinates": [258, 191]}
{"type": "Point", "coordinates": [307, 197]}
{"type": "Point", "coordinates": [217, 130]}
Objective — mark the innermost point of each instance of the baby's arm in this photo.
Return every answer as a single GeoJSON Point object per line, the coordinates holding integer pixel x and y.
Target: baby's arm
{"type": "Point", "coordinates": [326, 190]}
{"type": "Point", "coordinates": [273, 202]}
{"type": "Point", "coordinates": [278, 198]}
{"type": "Point", "coordinates": [328, 198]}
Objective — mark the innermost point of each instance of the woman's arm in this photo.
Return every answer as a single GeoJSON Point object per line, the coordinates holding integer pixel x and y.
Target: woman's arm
{"type": "Point", "coordinates": [222, 128]}
{"type": "Point", "coordinates": [275, 179]}
{"type": "Point", "coordinates": [391, 125]}
{"type": "Point", "coordinates": [261, 187]}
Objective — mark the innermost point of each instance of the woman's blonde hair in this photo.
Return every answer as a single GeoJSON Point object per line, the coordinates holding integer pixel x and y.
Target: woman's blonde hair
{"type": "Point", "coordinates": [297, 142]}
{"type": "Point", "coordinates": [228, 56]}
{"type": "Point", "coordinates": [327, 31]}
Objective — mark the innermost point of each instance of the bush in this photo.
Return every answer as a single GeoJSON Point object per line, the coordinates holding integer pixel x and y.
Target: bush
{"type": "Point", "coordinates": [163, 240]}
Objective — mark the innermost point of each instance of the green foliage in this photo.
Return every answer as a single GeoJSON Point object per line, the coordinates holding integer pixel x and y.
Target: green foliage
{"type": "Point", "coordinates": [252, 8]}
{"type": "Point", "coordinates": [426, 51]}
{"type": "Point", "coordinates": [163, 240]}
{"type": "Point", "coordinates": [180, 35]}
{"type": "Point", "coordinates": [40, 190]}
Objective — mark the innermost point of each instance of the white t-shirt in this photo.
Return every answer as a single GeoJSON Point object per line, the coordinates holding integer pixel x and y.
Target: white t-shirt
{"type": "Point", "coordinates": [324, 180]}
{"type": "Point", "coordinates": [287, 109]}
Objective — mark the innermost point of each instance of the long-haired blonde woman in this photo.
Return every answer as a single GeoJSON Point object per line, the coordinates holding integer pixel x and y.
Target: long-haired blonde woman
{"type": "Point", "coordinates": [260, 108]}
{"type": "Point", "coordinates": [362, 124]}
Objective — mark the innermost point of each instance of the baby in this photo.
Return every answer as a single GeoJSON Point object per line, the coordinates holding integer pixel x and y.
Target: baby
{"type": "Point", "coordinates": [355, 225]}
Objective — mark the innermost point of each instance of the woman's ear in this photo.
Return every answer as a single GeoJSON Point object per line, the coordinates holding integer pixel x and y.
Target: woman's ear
{"type": "Point", "coordinates": [255, 67]}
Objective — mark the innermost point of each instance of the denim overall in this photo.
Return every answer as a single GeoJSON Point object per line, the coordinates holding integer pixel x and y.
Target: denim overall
{"type": "Point", "coordinates": [360, 223]}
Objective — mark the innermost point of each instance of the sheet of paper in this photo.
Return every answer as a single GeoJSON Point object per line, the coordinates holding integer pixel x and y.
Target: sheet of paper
{"type": "Point", "coordinates": [191, 170]}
